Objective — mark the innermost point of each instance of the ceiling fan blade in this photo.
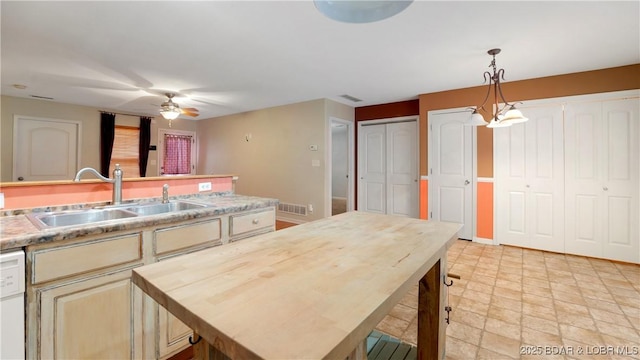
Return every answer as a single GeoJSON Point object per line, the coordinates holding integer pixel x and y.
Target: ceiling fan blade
{"type": "Point", "coordinates": [191, 109]}
{"type": "Point", "coordinates": [188, 112]}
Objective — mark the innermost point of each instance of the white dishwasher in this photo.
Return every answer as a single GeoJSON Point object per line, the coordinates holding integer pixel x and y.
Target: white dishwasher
{"type": "Point", "coordinates": [12, 281]}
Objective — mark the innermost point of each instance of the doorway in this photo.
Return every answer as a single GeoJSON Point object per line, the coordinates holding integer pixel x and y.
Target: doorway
{"type": "Point", "coordinates": [341, 150]}
{"type": "Point", "coordinates": [388, 166]}
{"type": "Point", "coordinates": [45, 149]}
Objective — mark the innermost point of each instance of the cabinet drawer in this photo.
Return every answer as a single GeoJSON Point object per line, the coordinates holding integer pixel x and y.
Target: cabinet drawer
{"type": "Point", "coordinates": [253, 221]}
{"type": "Point", "coordinates": [185, 236]}
{"type": "Point", "coordinates": [50, 264]}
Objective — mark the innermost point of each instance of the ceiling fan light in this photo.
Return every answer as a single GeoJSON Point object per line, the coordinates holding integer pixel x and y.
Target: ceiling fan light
{"type": "Point", "coordinates": [170, 113]}
{"type": "Point", "coordinates": [360, 11]}
{"type": "Point", "coordinates": [476, 119]}
{"type": "Point", "coordinates": [514, 116]}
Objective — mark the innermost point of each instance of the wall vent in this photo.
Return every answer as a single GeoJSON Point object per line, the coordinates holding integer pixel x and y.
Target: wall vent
{"type": "Point", "coordinates": [293, 209]}
{"type": "Point", "coordinates": [350, 98]}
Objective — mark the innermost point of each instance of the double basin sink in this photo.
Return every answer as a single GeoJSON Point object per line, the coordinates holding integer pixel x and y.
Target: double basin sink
{"type": "Point", "coordinates": [91, 216]}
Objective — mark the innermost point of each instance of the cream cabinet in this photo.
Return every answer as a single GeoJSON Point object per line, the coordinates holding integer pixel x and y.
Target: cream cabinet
{"type": "Point", "coordinates": [251, 223]}
{"type": "Point", "coordinates": [81, 301]}
{"type": "Point", "coordinates": [172, 335]}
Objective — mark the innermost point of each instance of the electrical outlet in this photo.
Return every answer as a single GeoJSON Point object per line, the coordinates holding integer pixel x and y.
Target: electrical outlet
{"type": "Point", "coordinates": [310, 208]}
{"type": "Point", "coordinates": [205, 186]}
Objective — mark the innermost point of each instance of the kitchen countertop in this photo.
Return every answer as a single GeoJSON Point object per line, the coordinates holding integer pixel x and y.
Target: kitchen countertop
{"type": "Point", "coordinates": [312, 291]}
{"type": "Point", "coordinates": [17, 231]}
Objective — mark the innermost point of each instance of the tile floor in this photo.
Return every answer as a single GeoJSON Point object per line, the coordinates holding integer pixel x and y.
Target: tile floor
{"type": "Point", "coordinates": [514, 303]}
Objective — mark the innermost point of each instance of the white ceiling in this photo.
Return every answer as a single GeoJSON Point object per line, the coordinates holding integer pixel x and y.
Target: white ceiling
{"type": "Point", "coordinates": [226, 57]}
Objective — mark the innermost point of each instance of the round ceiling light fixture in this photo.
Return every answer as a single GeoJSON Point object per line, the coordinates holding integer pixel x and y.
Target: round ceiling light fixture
{"type": "Point", "coordinates": [361, 11]}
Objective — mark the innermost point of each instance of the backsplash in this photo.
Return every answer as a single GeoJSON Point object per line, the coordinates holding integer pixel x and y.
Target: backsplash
{"type": "Point", "coordinates": [69, 196]}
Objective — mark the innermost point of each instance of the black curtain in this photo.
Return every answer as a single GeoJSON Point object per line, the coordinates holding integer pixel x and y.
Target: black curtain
{"type": "Point", "coordinates": [145, 141]}
{"type": "Point", "coordinates": [107, 134]}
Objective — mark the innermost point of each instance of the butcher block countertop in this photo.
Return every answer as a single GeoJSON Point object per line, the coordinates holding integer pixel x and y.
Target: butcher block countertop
{"type": "Point", "coordinates": [312, 291]}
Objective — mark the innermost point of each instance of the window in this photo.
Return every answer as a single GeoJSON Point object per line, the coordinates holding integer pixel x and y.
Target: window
{"type": "Point", "coordinates": [125, 151]}
{"type": "Point", "coordinates": [177, 152]}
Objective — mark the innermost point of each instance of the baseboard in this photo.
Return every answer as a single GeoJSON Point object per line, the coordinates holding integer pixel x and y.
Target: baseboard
{"type": "Point", "coordinates": [483, 241]}
{"type": "Point", "coordinates": [290, 220]}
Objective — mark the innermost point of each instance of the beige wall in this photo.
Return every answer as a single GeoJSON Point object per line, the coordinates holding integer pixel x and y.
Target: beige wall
{"type": "Point", "coordinates": [90, 119]}
{"type": "Point", "coordinates": [275, 161]}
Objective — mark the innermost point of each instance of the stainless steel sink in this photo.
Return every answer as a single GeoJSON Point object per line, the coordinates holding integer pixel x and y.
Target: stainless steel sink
{"type": "Point", "coordinates": [92, 216]}
{"type": "Point", "coordinates": [77, 217]}
{"type": "Point", "coordinates": [162, 208]}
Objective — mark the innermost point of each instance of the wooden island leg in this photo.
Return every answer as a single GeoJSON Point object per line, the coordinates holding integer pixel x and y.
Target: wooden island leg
{"type": "Point", "coordinates": [431, 338]}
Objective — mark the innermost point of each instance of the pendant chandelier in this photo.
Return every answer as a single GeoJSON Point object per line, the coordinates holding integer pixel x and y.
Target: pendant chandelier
{"type": "Point", "coordinates": [502, 116]}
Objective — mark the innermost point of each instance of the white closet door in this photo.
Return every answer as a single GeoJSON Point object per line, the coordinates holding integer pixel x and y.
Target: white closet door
{"type": "Point", "coordinates": [402, 160]}
{"type": "Point", "coordinates": [530, 180]}
{"type": "Point", "coordinates": [388, 168]}
{"type": "Point", "coordinates": [602, 175]}
{"type": "Point", "coordinates": [372, 169]}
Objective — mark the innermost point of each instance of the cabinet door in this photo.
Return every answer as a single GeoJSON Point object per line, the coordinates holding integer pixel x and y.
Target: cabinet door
{"type": "Point", "coordinates": [602, 179]}
{"type": "Point", "coordinates": [529, 163]}
{"type": "Point", "coordinates": [173, 334]}
{"type": "Point", "coordinates": [98, 318]}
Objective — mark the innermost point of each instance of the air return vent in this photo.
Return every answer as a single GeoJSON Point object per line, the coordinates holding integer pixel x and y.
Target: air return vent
{"type": "Point", "coordinates": [350, 98]}
{"type": "Point", "coordinates": [293, 209]}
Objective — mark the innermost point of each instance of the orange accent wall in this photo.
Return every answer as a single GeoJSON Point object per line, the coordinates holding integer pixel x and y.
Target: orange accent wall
{"type": "Point", "coordinates": [424, 199]}
{"type": "Point", "coordinates": [94, 191]}
{"type": "Point", "coordinates": [588, 82]}
{"type": "Point", "coordinates": [484, 210]}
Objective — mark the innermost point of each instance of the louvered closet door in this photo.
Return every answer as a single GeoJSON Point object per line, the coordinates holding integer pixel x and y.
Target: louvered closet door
{"type": "Point", "coordinates": [602, 179]}
{"type": "Point", "coordinates": [529, 180]}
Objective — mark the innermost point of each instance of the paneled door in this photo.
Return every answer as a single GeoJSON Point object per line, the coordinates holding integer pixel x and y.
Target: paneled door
{"type": "Point", "coordinates": [388, 168]}
{"type": "Point", "coordinates": [602, 175]}
{"type": "Point", "coordinates": [529, 180]}
{"type": "Point", "coordinates": [451, 170]}
{"type": "Point", "coordinates": [45, 149]}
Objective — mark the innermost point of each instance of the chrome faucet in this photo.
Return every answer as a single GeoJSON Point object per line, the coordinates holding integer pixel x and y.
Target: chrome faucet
{"type": "Point", "coordinates": [116, 199]}
{"type": "Point", "coordinates": [165, 193]}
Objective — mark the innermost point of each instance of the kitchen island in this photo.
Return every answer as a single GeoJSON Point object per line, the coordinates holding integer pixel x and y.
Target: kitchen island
{"type": "Point", "coordinates": [80, 300]}
{"type": "Point", "coordinates": [312, 291]}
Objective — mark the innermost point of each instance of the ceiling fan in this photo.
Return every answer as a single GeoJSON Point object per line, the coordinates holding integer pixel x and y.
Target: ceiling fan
{"type": "Point", "coordinates": [170, 110]}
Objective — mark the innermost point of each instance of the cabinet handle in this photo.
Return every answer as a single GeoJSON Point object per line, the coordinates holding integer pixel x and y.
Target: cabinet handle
{"type": "Point", "coordinates": [255, 221]}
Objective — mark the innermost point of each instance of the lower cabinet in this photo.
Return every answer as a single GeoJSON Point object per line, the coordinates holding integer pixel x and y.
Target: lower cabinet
{"type": "Point", "coordinates": [98, 318]}
{"type": "Point", "coordinates": [251, 223]}
{"type": "Point", "coordinates": [173, 334]}
{"type": "Point", "coordinates": [82, 304]}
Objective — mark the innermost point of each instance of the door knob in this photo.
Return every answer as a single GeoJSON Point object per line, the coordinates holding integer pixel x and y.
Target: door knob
{"type": "Point", "coordinates": [20, 178]}
{"type": "Point", "coordinates": [466, 182]}
{"type": "Point", "coordinates": [605, 188]}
